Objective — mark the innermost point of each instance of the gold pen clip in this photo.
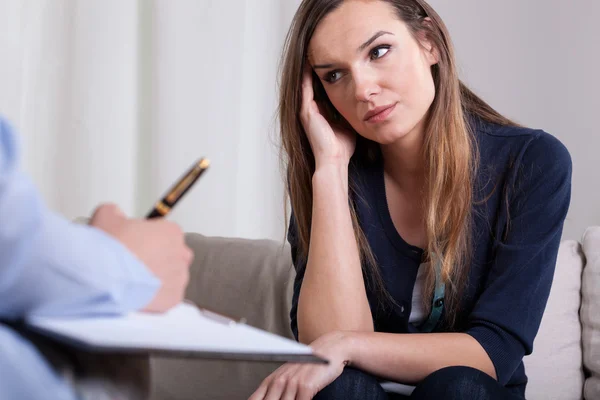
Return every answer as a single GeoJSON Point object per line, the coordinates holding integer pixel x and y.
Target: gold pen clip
{"type": "Point", "coordinates": [187, 180]}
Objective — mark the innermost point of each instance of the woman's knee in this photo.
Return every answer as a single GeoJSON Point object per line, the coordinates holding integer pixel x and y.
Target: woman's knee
{"type": "Point", "coordinates": [457, 383]}
{"type": "Point", "coordinates": [353, 384]}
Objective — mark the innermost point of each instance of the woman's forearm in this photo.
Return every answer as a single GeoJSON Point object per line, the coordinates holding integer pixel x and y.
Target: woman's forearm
{"type": "Point", "coordinates": [333, 295]}
{"type": "Point", "coordinates": [409, 358]}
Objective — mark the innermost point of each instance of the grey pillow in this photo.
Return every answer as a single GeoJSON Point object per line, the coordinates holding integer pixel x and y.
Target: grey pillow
{"type": "Point", "coordinates": [555, 368]}
{"type": "Point", "coordinates": [590, 316]}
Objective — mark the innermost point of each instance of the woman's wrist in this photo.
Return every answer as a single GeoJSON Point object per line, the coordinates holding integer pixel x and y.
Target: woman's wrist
{"type": "Point", "coordinates": [345, 345]}
{"type": "Point", "coordinates": [326, 162]}
{"type": "Point", "coordinates": [349, 342]}
{"type": "Point", "coordinates": [329, 174]}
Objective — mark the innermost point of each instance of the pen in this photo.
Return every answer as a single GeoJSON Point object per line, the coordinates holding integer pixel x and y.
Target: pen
{"type": "Point", "coordinates": [175, 193]}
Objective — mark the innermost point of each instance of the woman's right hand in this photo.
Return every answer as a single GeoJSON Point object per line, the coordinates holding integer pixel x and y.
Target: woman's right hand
{"type": "Point", "coordinates": [330, 144]}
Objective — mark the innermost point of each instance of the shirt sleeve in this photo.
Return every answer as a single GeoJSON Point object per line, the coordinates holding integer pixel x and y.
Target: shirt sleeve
{"type": "Point", "coordinates": [50, 266]}
{"type": "Point", "coordinates": [507, 316]}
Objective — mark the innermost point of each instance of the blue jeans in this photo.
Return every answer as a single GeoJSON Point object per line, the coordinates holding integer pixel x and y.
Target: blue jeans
{"type": "Point", "coordinates": [450, 383]}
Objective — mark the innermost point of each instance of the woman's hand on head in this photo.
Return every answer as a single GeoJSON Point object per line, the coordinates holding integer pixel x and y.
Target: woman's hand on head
{"type": "Point", "coordinates": [330, 143]}
{"type": "Point", "coordinates": [304, 381]}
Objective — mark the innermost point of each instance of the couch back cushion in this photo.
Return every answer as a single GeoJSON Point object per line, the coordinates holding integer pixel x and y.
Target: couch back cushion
{"type": "Point", "coordinates": [555, 367]}
{"type": "Point", "coordinates": [251, 279]}
{"type": "Point", "coordinates": [590, 312]}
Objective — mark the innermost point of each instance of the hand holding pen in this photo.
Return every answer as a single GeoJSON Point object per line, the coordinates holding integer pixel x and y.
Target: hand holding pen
{"type": "Point", "coordinates": [157, 243]}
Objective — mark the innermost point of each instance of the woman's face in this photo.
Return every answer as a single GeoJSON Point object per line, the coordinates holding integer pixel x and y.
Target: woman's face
{"type": "Point", "coordinates": [375, 73]}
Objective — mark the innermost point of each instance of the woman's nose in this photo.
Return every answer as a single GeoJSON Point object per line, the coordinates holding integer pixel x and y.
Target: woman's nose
{"type": "Point", "coordinates": [365, 86]}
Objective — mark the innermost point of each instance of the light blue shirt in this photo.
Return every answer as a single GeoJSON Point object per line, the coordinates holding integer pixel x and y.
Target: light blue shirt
{"type": "Point", "coordinates": [50, 266]}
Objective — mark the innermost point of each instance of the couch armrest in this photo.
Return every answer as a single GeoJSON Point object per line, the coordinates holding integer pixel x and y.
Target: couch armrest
{"type": "Point", "coordinates": [241, 278]}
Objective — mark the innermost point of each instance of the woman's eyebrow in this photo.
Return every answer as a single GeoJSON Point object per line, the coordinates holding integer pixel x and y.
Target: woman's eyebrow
{"type": "Point", "coordinates": [360, 48]}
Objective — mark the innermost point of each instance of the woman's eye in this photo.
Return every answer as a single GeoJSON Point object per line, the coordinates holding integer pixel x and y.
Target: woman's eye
{"type": "Point", "coordinates": [379, 52]}
{"type": "Point", "coordinates": [332, 76]}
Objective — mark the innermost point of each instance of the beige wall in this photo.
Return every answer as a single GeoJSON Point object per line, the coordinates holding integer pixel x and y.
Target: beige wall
{"type": "Point", "coordinates": [538, 61]}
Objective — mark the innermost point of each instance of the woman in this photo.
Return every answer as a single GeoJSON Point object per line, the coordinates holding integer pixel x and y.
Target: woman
{"type": "Point", "coordinates": [425, 225]}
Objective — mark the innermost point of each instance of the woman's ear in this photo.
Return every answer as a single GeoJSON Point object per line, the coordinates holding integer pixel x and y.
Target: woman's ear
{"type": "Point", "coordinates": [430, 51]}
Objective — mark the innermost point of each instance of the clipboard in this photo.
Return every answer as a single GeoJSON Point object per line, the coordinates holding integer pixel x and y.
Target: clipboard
{"type": "Point", "coordinates": [185, 331]}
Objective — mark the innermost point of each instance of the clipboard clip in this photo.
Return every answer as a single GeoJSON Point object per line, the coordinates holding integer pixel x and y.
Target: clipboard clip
{"type": "Point", "coordinates": [220, 318]}
{"type": "Point", "coordinates": [216, 317]}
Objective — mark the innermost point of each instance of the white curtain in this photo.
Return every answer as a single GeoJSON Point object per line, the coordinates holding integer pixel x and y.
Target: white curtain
{"type": "Point", "coordinates": [115, 99]}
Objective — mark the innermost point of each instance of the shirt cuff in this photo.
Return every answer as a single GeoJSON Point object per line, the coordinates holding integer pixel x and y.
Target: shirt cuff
{"type": "Point", "coordinates": [505, 352]}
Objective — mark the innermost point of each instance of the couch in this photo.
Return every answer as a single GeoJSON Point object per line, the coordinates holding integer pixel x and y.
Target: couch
{"type": "Point", "coordinates": [253, 279]}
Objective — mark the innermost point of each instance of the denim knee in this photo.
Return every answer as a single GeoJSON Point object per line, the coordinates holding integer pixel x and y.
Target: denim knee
{"type": "Point", "coordinates": [353, 384]}
{"type": "Point", "coordinates": [459, 383]}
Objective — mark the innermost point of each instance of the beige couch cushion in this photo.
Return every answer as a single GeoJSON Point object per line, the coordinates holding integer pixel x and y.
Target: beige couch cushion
{"type": "Point", "coordinates": [555, 367]}
{"type": "Point", "coordinates": [590, 313]}
{"type": "Point", "coordinates": [257, 289]}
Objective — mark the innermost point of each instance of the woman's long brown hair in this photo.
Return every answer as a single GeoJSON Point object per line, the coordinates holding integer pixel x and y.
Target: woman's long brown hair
{"type": "Point", "coordinates": [450, 153]}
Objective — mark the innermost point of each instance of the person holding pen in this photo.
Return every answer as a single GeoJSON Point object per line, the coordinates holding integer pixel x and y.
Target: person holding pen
{"type": "Point", "coordinates": [50, 266]}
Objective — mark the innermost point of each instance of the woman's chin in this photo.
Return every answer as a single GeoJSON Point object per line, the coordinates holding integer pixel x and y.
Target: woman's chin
{"type": "Point", "coordinates": [388, 135]}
